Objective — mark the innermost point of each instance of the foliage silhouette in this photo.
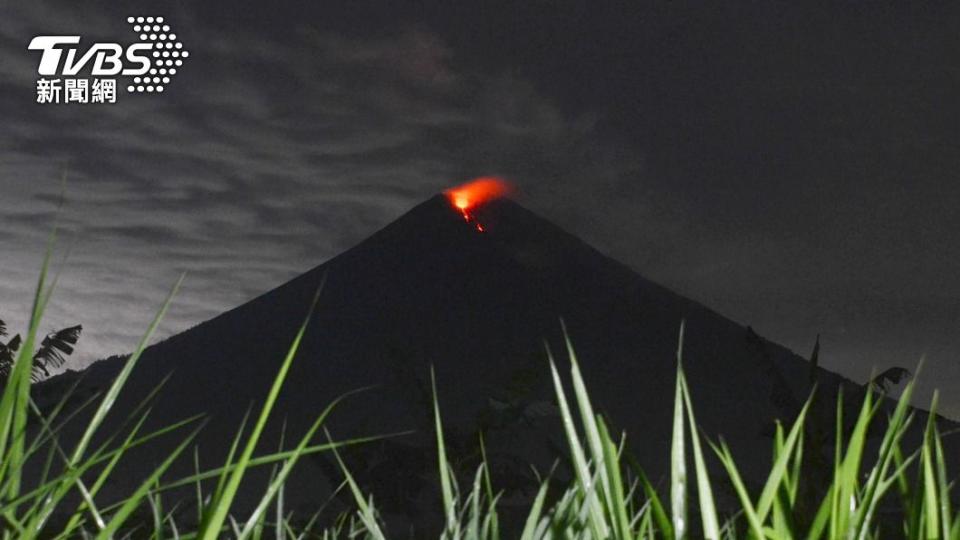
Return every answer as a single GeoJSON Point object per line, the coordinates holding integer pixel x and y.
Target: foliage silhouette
{"type": "Point", "coordinates": [54, 349]}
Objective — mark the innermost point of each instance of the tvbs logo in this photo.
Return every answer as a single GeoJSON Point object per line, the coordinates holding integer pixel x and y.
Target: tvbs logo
{"type": "Point", "coordinates": [107, 57]}
{"type": "Point", "coordinates": [88, 76]}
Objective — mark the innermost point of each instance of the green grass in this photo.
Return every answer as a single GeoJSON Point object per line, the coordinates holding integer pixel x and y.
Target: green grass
{"type": "Point", "coordinates": [607, 497]}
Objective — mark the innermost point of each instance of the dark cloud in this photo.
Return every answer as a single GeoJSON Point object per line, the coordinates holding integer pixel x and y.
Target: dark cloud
{"type": "Point", "coordinates": [790, 166]}
{"type": "Point", "coordinates": [256, 165]}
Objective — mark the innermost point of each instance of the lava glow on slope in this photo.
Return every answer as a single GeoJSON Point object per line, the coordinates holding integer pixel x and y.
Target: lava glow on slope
{"type": "Point", "coordinates": [475, 193]}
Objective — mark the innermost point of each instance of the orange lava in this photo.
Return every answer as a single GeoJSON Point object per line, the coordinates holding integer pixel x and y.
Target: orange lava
{"type": "Point", "coordinates": [473, 194]}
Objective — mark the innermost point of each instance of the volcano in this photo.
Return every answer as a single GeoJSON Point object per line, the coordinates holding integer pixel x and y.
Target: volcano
{"type": "Point", "coordinates": [432, 291]}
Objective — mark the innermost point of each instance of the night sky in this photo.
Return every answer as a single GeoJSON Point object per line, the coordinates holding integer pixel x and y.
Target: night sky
{"type": "Point", "coordinates": [793, 167]}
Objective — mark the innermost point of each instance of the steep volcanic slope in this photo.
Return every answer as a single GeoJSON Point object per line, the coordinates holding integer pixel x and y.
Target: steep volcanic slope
{"type": "Point", "coordinates": [430, 290]}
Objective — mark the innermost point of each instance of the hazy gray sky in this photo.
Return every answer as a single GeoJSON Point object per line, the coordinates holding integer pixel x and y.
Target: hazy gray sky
{"type": "Point", "coordinates": [792, 167]}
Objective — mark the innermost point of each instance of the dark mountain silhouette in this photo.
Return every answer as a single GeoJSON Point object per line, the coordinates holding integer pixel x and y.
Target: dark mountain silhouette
{"type": "Point", "coordinates": [430, 290]}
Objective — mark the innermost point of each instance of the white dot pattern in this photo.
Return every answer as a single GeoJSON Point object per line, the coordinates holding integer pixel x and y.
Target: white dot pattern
{"type": "Point", "coordinates": [167, 52]}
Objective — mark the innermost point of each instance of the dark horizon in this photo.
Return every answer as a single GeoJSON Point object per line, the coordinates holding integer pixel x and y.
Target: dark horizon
{"type": "Point", "coordinates": [788, 166]}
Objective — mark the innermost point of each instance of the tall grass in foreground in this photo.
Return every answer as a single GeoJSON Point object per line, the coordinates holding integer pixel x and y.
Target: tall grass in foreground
{"type": "Point", "coordinates": [608, 501]}
{"type": "Point", "coordinates": [605, 499]}
{"type": "Point", "coordinates": [47, 506]}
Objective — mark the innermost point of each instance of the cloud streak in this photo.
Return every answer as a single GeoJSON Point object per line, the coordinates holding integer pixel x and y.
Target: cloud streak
{"type": "Point", "coordinates": [258, 163]}
{"type": "Point", "coordinates": [756, 172]}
